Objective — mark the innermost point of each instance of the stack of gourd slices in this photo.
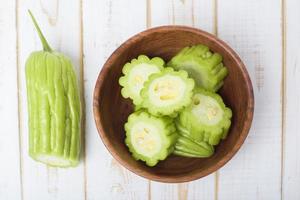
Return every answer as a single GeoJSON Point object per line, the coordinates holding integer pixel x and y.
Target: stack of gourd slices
{"type": "Point", "coordinates": [176, 107]}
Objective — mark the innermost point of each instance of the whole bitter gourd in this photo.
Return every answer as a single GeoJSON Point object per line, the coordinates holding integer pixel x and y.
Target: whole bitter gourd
{"type": "Point", "coordinates": [54, 107]}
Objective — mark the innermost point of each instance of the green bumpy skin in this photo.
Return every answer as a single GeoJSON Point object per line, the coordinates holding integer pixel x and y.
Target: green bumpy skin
{"type": "Point", "coordinates": [167, 92]}
{"type": "Point", "coordinates": [205, 67]}
{"type": "Point", "coordinates": [53, 106]}
{"type": "Point", "coordinates": [136, 73]}
{"type": "Point", "coordinates": [150, 138]}
{"type": "Point", "coordinates": [207, 118]}
{"type": "Point", "coordinates": [187, 147]}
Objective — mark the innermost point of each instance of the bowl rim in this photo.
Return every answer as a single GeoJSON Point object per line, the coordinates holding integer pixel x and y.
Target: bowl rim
{"type": "Point", "coordinates": [186, 177]}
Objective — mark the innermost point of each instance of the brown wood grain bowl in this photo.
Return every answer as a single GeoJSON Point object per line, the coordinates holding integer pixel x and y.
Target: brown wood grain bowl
{"type": "Point", "coordinates": [111, 109]}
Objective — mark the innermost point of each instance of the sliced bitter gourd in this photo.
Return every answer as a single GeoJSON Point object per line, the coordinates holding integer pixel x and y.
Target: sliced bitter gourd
{"type": "Point", "coordinates": [136, 73]}
{"type": "Point", "coordinates": [137, 107]}
{"type": "Point", "coordinates": [186, 146]}
{"type": "Point", "coordinates": [190, 148]}
{"type": "Point", "coordinates": [167, 92]}
{"type": "Point", "coordinates": [150, 138]}
{"type": "Point", "coordinates": [205, 67]}
{"type": "Point", "coordinates": [181, 129]}
{"type": "Point", "coordinates": [207, 118]}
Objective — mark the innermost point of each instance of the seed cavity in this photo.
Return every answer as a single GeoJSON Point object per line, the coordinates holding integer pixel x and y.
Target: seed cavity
{"type": "Point", "coordinates": [211, 112]}
{"type": "Point", "coordinates": [145, 140]}
{"type": "Point", "coordinates": [138, 79]}
{"type": "Point", "coordinates": [166, 90]}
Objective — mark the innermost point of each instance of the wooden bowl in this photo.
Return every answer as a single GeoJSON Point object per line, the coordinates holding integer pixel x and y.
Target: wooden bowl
{"type": "Point", "coordinates": [111, 109]}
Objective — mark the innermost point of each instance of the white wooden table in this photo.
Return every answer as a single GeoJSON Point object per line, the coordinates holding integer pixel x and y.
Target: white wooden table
{"type": "Point", "coordinates": [266, 34]}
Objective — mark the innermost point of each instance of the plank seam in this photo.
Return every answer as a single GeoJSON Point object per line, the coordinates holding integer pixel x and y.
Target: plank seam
{"type": "Point", "coordinates": [215, 29]}
{"type": "Point", "coordinates": [82, 92]}
{"type": "Point", "coordinates": [148, 25]}
{"type": "Point", "coordinates": [148, 14]}
{"type": "Point", "coordinates": [149, 190]}
{"type": "Point", "coordinates": [183, 191]}
{"type": "Point", "coordinates": [173, 12]}
{"type": "Point", "coordinates": [215, 11]}
{"type": "Point", "coordinates": [216, 185]}
{"type": "Point", "coordinates": [283, 93]}
{"type": "Point", "coordinates": [19, 97]}
{"type": "Point", "coordinates": [193, 13]}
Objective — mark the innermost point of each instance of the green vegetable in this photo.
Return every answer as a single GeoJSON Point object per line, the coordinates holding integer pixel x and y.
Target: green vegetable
{"type": "Point", "coordinates": [207, 118]}
{"type": "Point", "coordinates": [205, 67]}
{"type": "Point", "coordinates": [190, 148]}
{"type": "Point", "coordinates": [187, 146]}
{"type": "Point", "coordinates": [136, 108]}
{"type": "Point", "coordinates": [181, 129]}
{"type": "Point", "coordinates": [170, 114]}
{"type": "Point", "coordinates": [136, 73]}
{"type": "Point", "coordinates": [167, 92]}
{"type": "Point", "coordinates": [150, 138]}
{"type": "Point", "coordinates": [53, 106]}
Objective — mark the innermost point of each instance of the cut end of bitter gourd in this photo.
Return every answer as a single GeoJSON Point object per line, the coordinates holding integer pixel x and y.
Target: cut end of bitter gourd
{"type": "Point", "coordinates": [136, 73]}
{"type": "Point", "coordinates": [150, 138]}
{"type": "Point", "coordinates": [55, 161]}
{"type": "Point", "coordinates": [167, 92]}
{"type": "Point", "coordinates": [205, 67]}
{"type": "Point", "coordinates": [207, 118]}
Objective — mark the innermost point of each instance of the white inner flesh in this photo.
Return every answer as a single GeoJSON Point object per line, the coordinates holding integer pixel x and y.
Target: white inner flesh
{"type": "Point", "coordinates": [207, 109]}
{"type": "Point", "coordinates": [53, 160]}
{"type": "Point", "coordinates": [166, 90]}
{"type": "Point", "coordinates": [139, 75]}
{"type": "Point", "coordinates": [145, 139]}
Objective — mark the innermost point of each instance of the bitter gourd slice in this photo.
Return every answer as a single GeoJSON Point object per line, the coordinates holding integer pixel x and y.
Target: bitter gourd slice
{"type": "Point", "coordinates": [180, 128]}
{"type": "Point", "coordinates": [188, 130]}
{"type": "Point", "coordinates": [186, 146]}
{"type": "Point", "coordinates": [137, 107]}
{"type": "Point", "coordinates": [207, 118]}
{"type": "Point", "coordinates": [205, 67]}
{"type": "Point", "coordinates": [150, 138]}
{"type": "Point", "coordinates": [53, 106]}
{"type": "Point", "coordinates": [136, 73]}
{"type": "Point", "coordinates": [190, 148]}
{"type": "Point", "coordinates": [167, 92]}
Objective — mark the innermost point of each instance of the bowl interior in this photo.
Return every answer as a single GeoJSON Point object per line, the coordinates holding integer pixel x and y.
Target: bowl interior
{"type": "Point", "coordinates": [111, 109]}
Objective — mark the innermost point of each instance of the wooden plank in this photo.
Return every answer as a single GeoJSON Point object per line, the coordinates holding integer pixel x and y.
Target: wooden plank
{"type": "Point", "coordinates": [195, 13]}
{"type": "Point", "coordinates": [10, 187]}
{"type": "Point", "coordinates": [107, 24]}
{"type": "Point", "coordinates": [291, 157]}
{"type": "Point", "coordinates": [253, 29]}
{"type": "Point", "coordinates": [199, 14]}
{"type": "Point", "coordinates": [60, 21]}
{"type": "Point", "coordinates": [200, 189]}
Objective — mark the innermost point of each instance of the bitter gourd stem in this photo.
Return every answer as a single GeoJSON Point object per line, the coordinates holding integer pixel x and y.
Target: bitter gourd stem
{"type": "Point", "coordinates": [45, 44]}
